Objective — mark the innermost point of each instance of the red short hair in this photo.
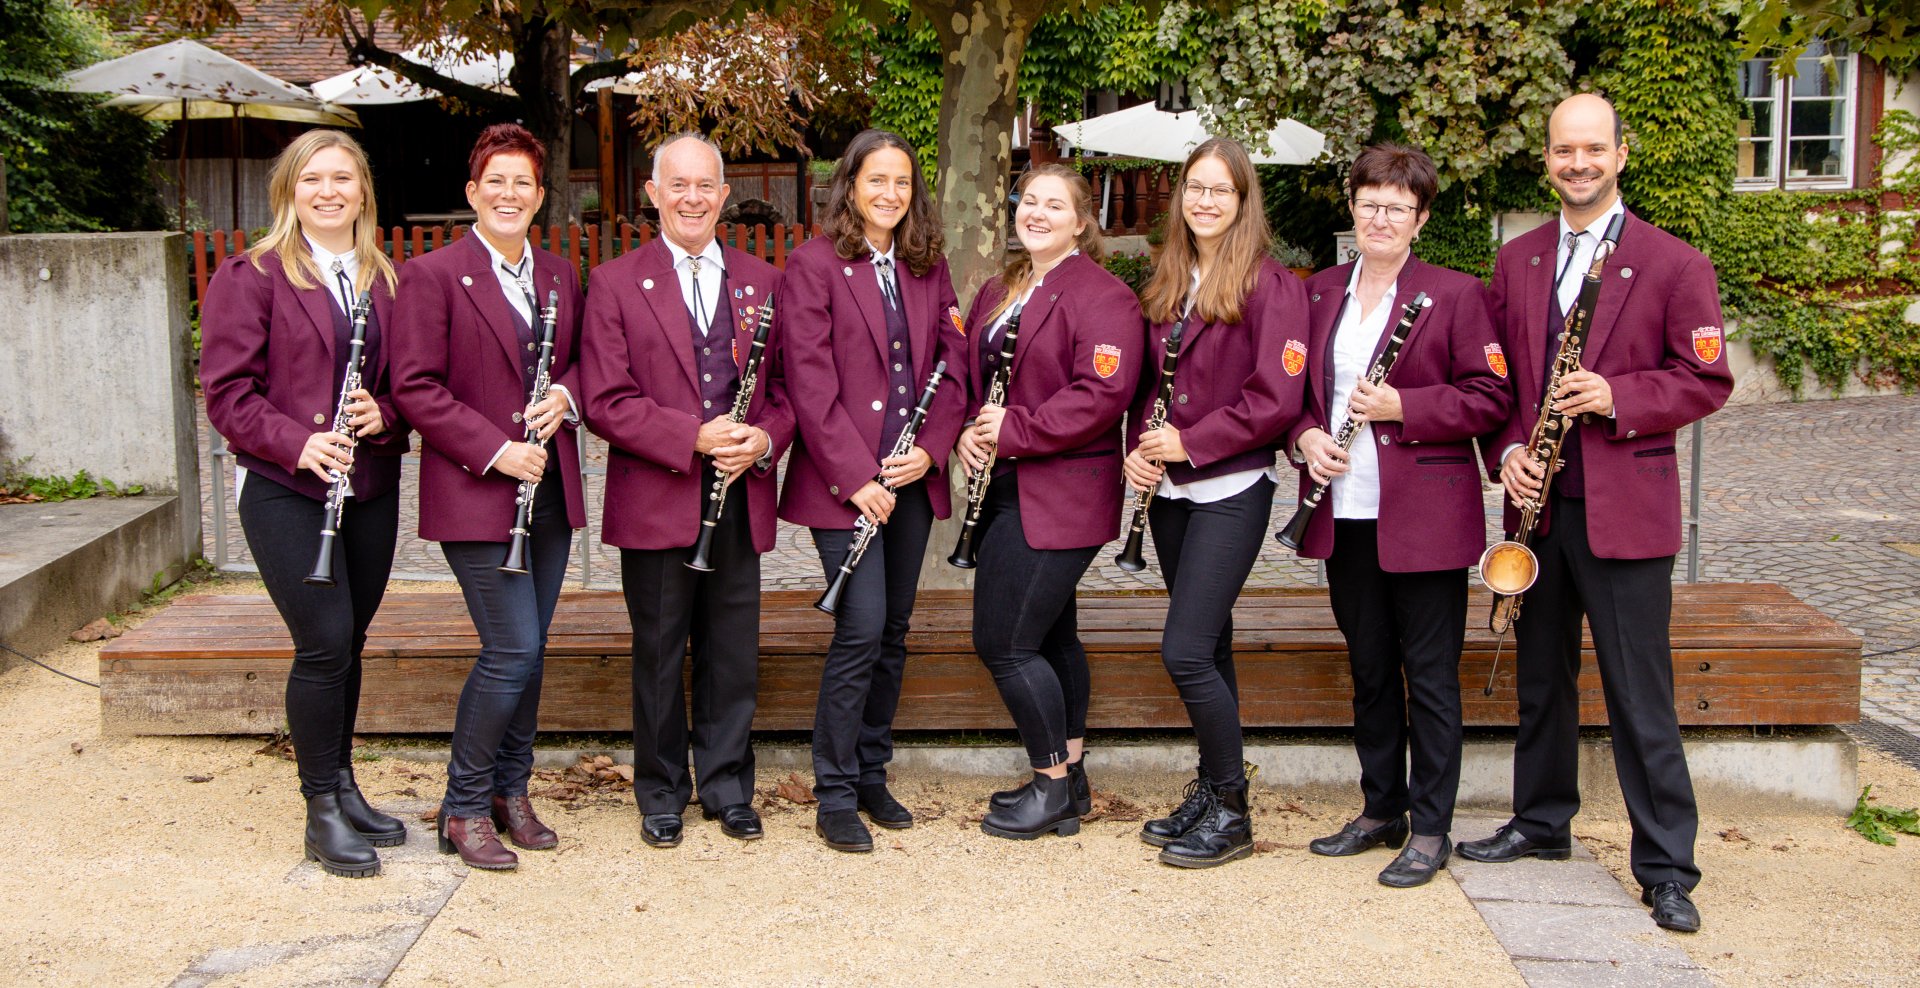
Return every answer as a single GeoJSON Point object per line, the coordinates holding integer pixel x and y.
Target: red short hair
{"type": "Point", "coordinates": [507, 139]}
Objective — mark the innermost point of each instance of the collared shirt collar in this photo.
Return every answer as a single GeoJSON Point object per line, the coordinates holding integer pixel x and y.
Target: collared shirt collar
{"type": "Point", "coordinates": [1597, 228]}
{"type": "Point", "coordinates": [523, 270]}
{"type": "Point", "coordinates": [1353, 281]}
{"type": "Point", "coordinates": [878, 253]}
{"type": "Point", "coordinates": [710, 254]}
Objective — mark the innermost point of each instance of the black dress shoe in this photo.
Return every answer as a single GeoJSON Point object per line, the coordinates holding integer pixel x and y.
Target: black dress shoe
{"type": "Point", "coordinates": [1045, 807]}
{"type": "Point", "coordinates": [1193, 802]}
{"type": "Point", "coordinates": [1673, 908]}
{"type": "Point", "coordinates": [882, 808]}
{"type": "Point", "coordinates": [1082, 789]}
{"type": "Point", "coordinates": [1508, 844]}
{"type": "Point", "coordinates": [1353, 839]}
{"type": "Point", "coordinates": [843, 831]}
{"type": "Point", "coordinates": [737, 821]}
{"type": "Point", "coordinates": [379, 829]}
{"type": "Point", "coordinates": [1413, 868]}
{"type": "Point", "coordinates": [1224, 832]}
{"type": "Point", "coordinates": [661, 829]}
{"type": "Point", "coordinates": [333, 842]}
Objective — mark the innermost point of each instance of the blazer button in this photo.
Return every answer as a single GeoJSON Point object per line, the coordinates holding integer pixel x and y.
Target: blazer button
{"type": "Point", "coordinates": [319, 419]}
{"type": "Point", "coordinates": [529, 346]}
{"type": "Point", "coordinates": [898, 367]}
{"type": "Point", "coordinates": [706, 351]}
{"type": "Point", "coordinates": [706, 404]}
{"type": "Point", "coordinates": [834, 490]}
{"type": "Point", "coordinates": [903, 389]}
{"type": "Point", "coordinates": [706, 377]}
{"type": "Point", "coordinates": [1183, 399]}
{"type": "Point", "coordinates": [896, 344]}
{"type": "Point", "coordinates": [516, 416]}
{"type": "Point", "coordinates": [878, 406]}
{"type": "Point", "coordinates": [1632, 433]}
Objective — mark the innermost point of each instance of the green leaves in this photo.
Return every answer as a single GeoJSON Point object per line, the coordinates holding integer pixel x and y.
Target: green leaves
{"type": "Point", "coordinates": [1879, 824]}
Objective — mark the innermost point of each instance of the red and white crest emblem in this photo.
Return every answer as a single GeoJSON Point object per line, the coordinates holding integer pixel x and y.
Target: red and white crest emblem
{"type": "Point", "coordinates": [959, 324]}
{"type": "Point", "coordinates": [1295, 358]}
{"type": "Point", "coordinates": [1496, 359]}
{"type": "Point", "coordinates": [1106, 359]}
{"type": "Point", "coordinates": [1706, 343]}
{"type": "Point", "coordinates": [736, 349]}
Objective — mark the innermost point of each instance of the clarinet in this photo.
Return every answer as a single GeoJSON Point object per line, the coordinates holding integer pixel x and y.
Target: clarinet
{"type": "Point", "coordinates": [717, 496]}
{"type": "Point", "coordinates": [965, 553]}
{"type": "Point", "coordinates": [542, 383]}
{"type": "Point", "coordinates": [1131, 557]}
{"type": "Point", "coordinates": [864, 530]}
{"type": "Point", "coordinates": [322, 575]}
{"type": "Point", "coordinates": [1509, 567]}
{"type": "Point", "coordinates": [1296, 530]}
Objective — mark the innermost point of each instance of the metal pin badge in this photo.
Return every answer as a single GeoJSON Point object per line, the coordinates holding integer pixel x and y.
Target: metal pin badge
{"type": "Point", "coordinates": [848, 271]}
{"type": "Point", "coordinates": [1535, 262]}
{"type": "Point", "coordinates": [466, 281]}
{"type": "Point", "coordinates": [749, 291]}
{"type": "Point", "coordinates": [647, 284]}
{"type": "Point", "coordinates": [1626, 272]}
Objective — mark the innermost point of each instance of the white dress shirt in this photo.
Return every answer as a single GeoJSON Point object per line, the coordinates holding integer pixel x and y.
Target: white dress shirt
{"type": "Point", "coordinates": [1356, 493]}
{"type": "Point", "coordinates": [325, 259]}
{"type": "Point", "coordinates": [1211, 489]}
{"type": "Point", "coordinates": [712, 266]}
{"type": "Point", "coordinates": [993, 329]}
{"type": "Point", "coordinates": [516, 283]}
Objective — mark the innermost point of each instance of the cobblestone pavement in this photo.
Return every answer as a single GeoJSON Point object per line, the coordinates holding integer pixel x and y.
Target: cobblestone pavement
{"type": "Point", "coordinates": [1821, 497]}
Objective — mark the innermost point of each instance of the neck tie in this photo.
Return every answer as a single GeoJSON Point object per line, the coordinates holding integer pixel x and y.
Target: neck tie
{"type": "Point", "coordinates": [346, 287]}
{"type": "Point", "coordinates": [1573, 246]}
{"type": "Point", "coordinates": [888, 289]}
{"type": "Point", "coordinates": [525, 285]}
{"type": "Point", "coordinates": [700, 318]}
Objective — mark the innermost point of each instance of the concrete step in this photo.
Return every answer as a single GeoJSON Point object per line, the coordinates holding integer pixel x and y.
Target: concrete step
{"type": "Point", "coordinates": [65, 563]}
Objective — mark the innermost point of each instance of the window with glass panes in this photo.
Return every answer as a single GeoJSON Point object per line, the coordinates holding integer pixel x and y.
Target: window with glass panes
{"type": "Point", "coordinates": [1798, 132]}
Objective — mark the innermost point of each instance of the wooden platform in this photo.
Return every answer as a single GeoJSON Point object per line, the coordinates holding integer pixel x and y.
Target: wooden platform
{"type": "Point", "coordinates": [1743, 654]}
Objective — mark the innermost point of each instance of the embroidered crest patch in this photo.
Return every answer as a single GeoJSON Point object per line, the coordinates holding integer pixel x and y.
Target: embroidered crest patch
{"type": "Point", "coordinates": [736, 349]}
{"type": "Point", "coordinates": [1496, 359]}
{"type": "Point", "coordinates": [1295, 358]}
{"type": "Point", "coordinates": [1106, 359]}
{"type": "Point", "coordinates": [959, 324]}
{"type": "Point", "coordinates": [1706, 343]}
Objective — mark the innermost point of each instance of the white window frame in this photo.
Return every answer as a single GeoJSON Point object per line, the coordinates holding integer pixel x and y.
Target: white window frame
{"type": "Point", "coordinates": [1778, 104]}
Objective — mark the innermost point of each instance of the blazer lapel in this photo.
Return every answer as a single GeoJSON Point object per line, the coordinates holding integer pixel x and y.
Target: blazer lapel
{"type": "Point", "coordinates": [866, 294]}
{"type": "Point", "coordinates": [1033, 316]}
{"type": "Point", "coordinates": [1413, 280]}
{"type": "Point", "coordinates": [660, 287]}
{"type": "Point", "coordinates": [383, 313]}
{"type": "Point", "coordinates": [483, 288]}
{"type": "Point", "coordinates": [1535, 284]}
{"type": "Point", "coordinates": [317, 303]}
{"type": "Point", "coordinates": [916, 304]}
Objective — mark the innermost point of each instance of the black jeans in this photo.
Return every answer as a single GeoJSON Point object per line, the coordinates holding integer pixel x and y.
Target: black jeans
{"type": "Point", "coordinates": [1025, 627]}
{"type": "Point", "coordinates": [1404, 632]}
{"type": "Point", "coordinates": [1206, 552]}
{"type": "Point", "coordinates": [500, 705]}
{"type": "Point", "coordinates": [328, 624]}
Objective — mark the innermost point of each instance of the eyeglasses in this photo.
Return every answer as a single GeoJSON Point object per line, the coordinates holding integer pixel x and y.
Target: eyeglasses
{"type": "Point", "coordinates": [1396, 213]}
{"type": "Point", "coordinates": [1195, 192]}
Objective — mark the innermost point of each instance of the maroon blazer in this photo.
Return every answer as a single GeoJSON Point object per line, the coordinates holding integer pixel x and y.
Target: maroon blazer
{"type": "Point", "coordinates": [1657, 338]}
{"type": "Point", "coordinates": [833, 337]}
{"type": "Point", "coordinates": [643, 396]}
{"type": "Point", "coordinates": [267, 363]}
{"type": "Point", "coordinates": [457, 363]}
{"type": "Point", "coordinates": [1079, 355]}
{"type": "Point", "coordinates": [1234, 398]}
{"type": "Point", "coordinates": [1453, 381]}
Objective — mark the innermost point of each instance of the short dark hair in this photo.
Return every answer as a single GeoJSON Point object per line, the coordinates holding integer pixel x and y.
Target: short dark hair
{"type": "Point", "coordinates": [1397, 166]}
{"type": "Point", "coordinates": [507, 139]}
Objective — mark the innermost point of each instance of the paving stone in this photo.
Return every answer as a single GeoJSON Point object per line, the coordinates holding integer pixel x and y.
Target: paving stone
{"type": "Point", "coordinates": [1554, 932]}
{"type": "Point", "coordinates": [1592, 974]}
{"type": "Point", "coordinates": [1574, 882]}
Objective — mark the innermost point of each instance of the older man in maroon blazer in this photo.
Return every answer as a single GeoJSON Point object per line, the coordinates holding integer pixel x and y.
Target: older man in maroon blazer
{"type": "Point", "coordinates": [1653, 362]}
{"type": "Point", "coordinates": [666, 343]}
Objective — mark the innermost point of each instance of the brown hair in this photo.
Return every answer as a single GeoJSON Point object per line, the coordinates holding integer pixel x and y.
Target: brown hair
{"type": "Point", "coordinates": [1017, 273]}
{"type": "Point", "coordinates": [917, 241]}
{"type": "Point", "coordinates": [283, 238]}
{"type": "Point", "coordinates": [1395, 166]}
{"type": "Point", "coordinates": [1223, 292]}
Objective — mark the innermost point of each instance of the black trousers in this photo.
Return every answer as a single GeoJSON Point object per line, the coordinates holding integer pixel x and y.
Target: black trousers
{"type": "Point", "coordinates": [499, 708]}
{"type": "Point", "coordinates": [720, 611]}
{"type": "Point", "coordinates": [1206, 552]}
{"type": "Point", "coordinates": [1404, 632]}
{"type": "Point", "coordinates": [860, 681]}
{"type": "Point", "coordinates": [1026, 630]}
{"type": "Point", "coordinates": [328, 624]}
{"type": "Point", "coordinates": [1628, 604]}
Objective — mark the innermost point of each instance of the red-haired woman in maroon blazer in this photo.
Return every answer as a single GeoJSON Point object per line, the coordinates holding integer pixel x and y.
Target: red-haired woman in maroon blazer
{"type": "Point", "coordinates": [276, 331]}
{"type": "Point", "coordinates": [1403, 519]}
{"type": "Point", "coordinates": [465, 355]}
{"type": "Point", "coordinates": [866, 312]}
{"type": "Point", "coordinates": [1237, 391]}
{"type": "Point", "coordinates": [1055, 494]}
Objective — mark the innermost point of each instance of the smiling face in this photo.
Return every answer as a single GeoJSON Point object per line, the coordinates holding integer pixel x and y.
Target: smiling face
{"type": "Point", "coordinates": [328, 196]}
{"type": "Point", "coordinates": [882, 191]}
{"type": "Point", "coordinates": [687, 190]}
{"type": "Point", "coordinates": [1382, 238]}
{"type": "Point", "coordinates": [1583, 157]}
{"type": "Point", "coordinates": [1046, 220]}
{"type": "Point", "coordinates": [505, 199]}
{"type": "Point", "coordinates": [1209, 200]}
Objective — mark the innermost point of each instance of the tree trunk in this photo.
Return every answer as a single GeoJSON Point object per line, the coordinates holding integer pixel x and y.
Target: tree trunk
{"type": "Point", "coordinates": [541, 76]}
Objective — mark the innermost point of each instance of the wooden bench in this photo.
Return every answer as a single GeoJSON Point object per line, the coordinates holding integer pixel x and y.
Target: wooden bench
{"type": "Point", "coordinates": [1744, 654]}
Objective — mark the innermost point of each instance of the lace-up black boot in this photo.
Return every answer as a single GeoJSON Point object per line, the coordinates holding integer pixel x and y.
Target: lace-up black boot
{"type": "Point", "coordinates": [1224, 832]}
{"type": "Point", "coordinates": [1168, 829]}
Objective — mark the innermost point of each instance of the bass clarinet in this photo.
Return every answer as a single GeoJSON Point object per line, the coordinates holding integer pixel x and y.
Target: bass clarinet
{"type": "Point", "coordinates": [1509, 567]}
{"type": "Point", "coordinates": [864, 530]}
{"type": "Point", "coordinates": [1132, 557]}
{"type": "Point", "coordinates": [965, 553]}
{"type": "Point", "coordinates": [1296, 531]}
{"type": "Point", "coordinates": [717, 497]}
{"type": "Point", "coordinates": [322, 575]}
{"type": "Point", "coordinates": [542, 383]}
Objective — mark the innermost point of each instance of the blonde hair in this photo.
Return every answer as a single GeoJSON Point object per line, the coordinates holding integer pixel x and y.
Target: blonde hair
{"type": "Point", "coordinates": [1224, 291]}
{"type": "Point", "coordinates": [1017, 275]}
{"type": "Point", "coordinates": [284, 238]}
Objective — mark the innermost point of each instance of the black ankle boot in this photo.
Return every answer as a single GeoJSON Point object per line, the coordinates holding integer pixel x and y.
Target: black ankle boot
{"type": "Point", "coordinates": [1224, 833]}
{"type": "Point", "coordinates": [1193, 802]}
{"type": "Point", "coordinates": [1007, 797]}
{"type": "Point", "coordinates": [379, 829]}
{"type": "Point", "coordinates": [1045, 806]}
{"type": "Point", "coordinates": [332, 841]}
{"type": "Point", "coordinates": [1082, 789]}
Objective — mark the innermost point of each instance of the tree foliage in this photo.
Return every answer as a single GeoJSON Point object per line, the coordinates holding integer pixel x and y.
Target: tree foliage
{"type": "Point", "coordinates": [1886, 31]}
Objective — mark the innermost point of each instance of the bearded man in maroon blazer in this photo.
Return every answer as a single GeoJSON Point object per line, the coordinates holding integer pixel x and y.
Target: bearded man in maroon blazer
{"type": "Point", "coordinates": [1652, 364]}
{"type": "Point", "coordinates": [665, 347]}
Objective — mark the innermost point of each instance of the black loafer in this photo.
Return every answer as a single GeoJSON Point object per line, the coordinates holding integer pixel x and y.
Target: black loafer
{"type": "Point", "coordinates": [661, 829]}
{"type": "Point", "coordinates": [1508, 844]}
{"type": "Point", "coordinates": [1353, 839]}
{"type": "Point", "coordinates": [1673, 908]}
{"type": "Point", "coordinates": [884, 810]}
{"type": "Point", "coordinates": [843, 831]}
{"type": "Point", "coordinates": [1413, 868]}
{"type": "Point", "coordinates": [737, 821]}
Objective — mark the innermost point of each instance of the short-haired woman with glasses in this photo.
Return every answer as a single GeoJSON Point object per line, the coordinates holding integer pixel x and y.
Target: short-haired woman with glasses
{"type": "Point", "coordinates": [1406, 518]}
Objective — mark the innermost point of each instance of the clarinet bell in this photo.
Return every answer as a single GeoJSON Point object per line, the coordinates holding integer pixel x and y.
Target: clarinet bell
{"type": "Point", "coordinates": [963, 550]}
{"type": "Point", "coordinates": [1508, 568]}
{"type": "Point", "coordinates": [1132, 557]}
{"type": "Point", "coordinates": [702, 548]}
{"type": "Point", "coordinates": [829, 600]}
{"type": "Point", "coordinates": [1295, 534]}
{"type": "Point", "coordinates": [516, 555]}
{"type": "Point", "coordinates": [322, 575]}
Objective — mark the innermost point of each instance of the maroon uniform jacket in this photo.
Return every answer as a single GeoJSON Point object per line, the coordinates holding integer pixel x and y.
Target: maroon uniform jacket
{"type": "Point", "coordinates": [267, 362]}
{"type": "Point", "coordinates": [1076, 362]}
{"type": "Point", "coordinates": [1657, 338]}
{"type": "Point", "coordinates": [833, 338]}
{"type": "Point", "coordinates": [642, 393]}
{"type": "Point", "coordinates": [457, 362]}
{"type": "Point", "coordinates": [1453, 379]}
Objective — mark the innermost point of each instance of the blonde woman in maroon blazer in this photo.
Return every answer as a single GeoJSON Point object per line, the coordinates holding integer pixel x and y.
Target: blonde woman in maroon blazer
{"type": "Point", "coordinates": [465, 356]}
{"type": "Point", "coordinates": [275, 337]}
{"type": "Point", "coordinates": [866, 314]}
{"type": "Point", "coordinates": [1236, 393]}
{"type": "Point", "coordinates": [1403, 519]}
{"type": "Point", "coordinates": [1056, 485]}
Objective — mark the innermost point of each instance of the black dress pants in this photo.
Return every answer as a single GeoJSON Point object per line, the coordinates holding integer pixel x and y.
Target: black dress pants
{"type": "Point", "coordinates": [1628, 604]}
{"type": "Point", "coordinates": [720, 611]}
{"type": "Point", "coordinates": [1206, 551]}
{"type": "Point", "coordinates": [860, 681]}
{"type": "Point", "coordinates": [328, 624]}
{"type": "Point", "coordinates": [1404, 632]}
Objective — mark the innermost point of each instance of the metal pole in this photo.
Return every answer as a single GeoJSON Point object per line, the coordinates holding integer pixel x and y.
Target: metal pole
{"type": "Point", "coordinates": [1693, 505]}
{"type": "Point", "coordinates": [217, 452]}
{"type": "Point", "coordinates": [586, 531]}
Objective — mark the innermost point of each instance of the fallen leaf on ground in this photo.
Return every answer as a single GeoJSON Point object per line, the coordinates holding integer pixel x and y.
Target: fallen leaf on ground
{"type": "Point", "coordinates": [1733, 835]}
{"type": "Point", "coordinates": [462, 929]}
{"type": "Point", "coordinates": [624, 771]}
{"type": "Point", "coordinates": [78, 747]}
{"type": "Point", "coordinates": [279, 746]}
{"type": "Point", "coordinates": [199, 778]}
{"type": "Point", "coordinates": [1119, 809]}
{"type": "Point", "coordinates": [793, 790]}
{"type": "Point", "coordinates": [1265, 846]}
{"type": "Point", "coordinates": [98, 629]}
{"type": "Point", "coordinates": [431, 816]}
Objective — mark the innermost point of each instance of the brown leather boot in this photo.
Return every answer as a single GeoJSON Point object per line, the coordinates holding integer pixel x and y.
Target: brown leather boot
{"type": "Point", "coordinates": [513, 816]}
{"type": "Point", "coordinates": [472, 838]}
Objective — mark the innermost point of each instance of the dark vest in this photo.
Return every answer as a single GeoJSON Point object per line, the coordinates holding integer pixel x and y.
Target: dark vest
{"type": "Point", "coordinates": [1572, 479]}
{"type": "Point", "coordinates": [713, 356]}
{"type": "Point", "coordinates": [529, 345]}
{"type": "Point", "coordinates": [900, 392]}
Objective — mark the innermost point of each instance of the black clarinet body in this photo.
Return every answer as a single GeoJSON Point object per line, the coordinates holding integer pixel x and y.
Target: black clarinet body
{"type": "Point", "coordinates": [523, 499]}
{"type": "Point", "coordinates": [1132, 557]}
{"type": "Point", "coordinates": [742, 398]}
{"type": "Point", "coordinates": [864, 530]}
{"type": "Point", "coordinates": [965, 553]}
{"type": "Point", "coordinates": [342, 486]}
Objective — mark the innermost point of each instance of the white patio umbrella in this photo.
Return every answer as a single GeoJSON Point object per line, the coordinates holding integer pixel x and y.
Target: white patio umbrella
{"type": "Point", "coordinates": [1145, 131]}
{"type": "Point", "coordinates": [372, 85]}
